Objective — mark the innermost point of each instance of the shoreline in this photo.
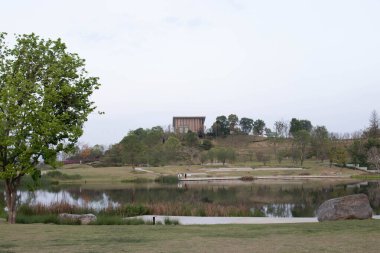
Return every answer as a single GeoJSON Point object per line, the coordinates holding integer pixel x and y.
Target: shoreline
{"type": "Point", "coordinates": [198, 220]}
{"type": "Point", "coordinates": [265, 177]}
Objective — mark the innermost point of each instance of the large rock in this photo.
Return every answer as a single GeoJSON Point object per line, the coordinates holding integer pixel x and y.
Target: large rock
{"type": "Point", "coordinates": [344, 208]}
{"type": "Point", "coordinates": [84, 219]}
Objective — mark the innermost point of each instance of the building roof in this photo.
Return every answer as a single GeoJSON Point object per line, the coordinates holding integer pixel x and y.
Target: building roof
{"type": "Point", "coordinates": [189, 117]}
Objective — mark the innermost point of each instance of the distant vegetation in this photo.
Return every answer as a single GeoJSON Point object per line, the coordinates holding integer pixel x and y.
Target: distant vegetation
{"type": "Point", "coordinates": [245, 141]}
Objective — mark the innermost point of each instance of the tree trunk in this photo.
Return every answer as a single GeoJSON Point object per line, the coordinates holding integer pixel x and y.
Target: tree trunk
{"type": "Point", "coordinates": [11, 195]}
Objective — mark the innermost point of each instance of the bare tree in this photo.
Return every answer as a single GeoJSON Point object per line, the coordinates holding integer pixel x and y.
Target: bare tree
{"type": "Point", "coordinates": [373, 157]}
{"type": "Point", "coordinates": [373, 130]}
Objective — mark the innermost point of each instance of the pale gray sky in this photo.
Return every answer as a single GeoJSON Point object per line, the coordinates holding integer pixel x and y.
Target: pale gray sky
{"type": "Point", "coordinates": [316, 60]}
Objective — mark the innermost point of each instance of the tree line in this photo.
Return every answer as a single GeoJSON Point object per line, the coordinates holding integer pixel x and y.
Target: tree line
{"type": "Point", "coordinates": [296, 140]}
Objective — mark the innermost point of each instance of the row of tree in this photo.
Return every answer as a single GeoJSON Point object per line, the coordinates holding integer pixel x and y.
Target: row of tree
{"type": "Point", "coordinates": [230, 125]}
{"type": "Point", "coordinates": [298, 140]}
{"type": "Point", "coordinates": [155, 147]}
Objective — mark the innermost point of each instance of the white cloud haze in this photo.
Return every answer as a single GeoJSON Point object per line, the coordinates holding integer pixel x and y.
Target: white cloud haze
{"type": "Point", "coordinates": [316, 60]}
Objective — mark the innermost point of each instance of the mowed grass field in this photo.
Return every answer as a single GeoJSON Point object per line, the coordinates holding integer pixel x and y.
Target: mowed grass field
{"type": "Point", "coordinates": [342, 236]}
{"type": "Point", "coordinates": [101, 175]}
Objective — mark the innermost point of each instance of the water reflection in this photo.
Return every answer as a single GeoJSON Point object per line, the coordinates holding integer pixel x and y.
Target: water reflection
{"type": "Point", "coordinates": [47, 198]}
{"type": "Point", "coordinates": [258, 199]}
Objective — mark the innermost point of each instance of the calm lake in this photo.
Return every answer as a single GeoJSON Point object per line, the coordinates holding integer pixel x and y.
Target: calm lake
{"type": "Point", "coordinates": [257, 198]}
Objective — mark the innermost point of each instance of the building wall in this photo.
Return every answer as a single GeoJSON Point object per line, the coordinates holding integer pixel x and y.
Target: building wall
{"type": "Point", "coordinates": [184, 124]}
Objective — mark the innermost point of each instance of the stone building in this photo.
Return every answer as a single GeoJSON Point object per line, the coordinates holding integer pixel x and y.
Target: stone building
{"type": "Point", "coordinates": [182, 125]}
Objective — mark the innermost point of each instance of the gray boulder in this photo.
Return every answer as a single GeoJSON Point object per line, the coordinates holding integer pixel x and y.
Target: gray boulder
{"type": "Point", "coordinates": [344, 208]}
{"type": "Point", "coordinates": [84, 219]}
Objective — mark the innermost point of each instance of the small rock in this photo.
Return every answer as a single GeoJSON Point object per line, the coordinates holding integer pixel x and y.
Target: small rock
{"type": "Point", "coordinates": [349, 207]}
{"type": "Point", "coordinates": [84, 219]}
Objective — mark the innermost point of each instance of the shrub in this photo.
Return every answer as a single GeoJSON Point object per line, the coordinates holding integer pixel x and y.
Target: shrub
{"type": "Point", "coordinates": [169, 221]}
{"type": "Point", "coordinates": [46, 219]}
{"type": "Point", "coordinates": [55, 174]}
{"type": "Point", "coordinates": [117, 220]}
{"type": "Point", "coordinates": [137, 180]}
{"type": "Point", "coordinates": [126, 211]}
{"type": "Point", "coordinates": [167, 179]}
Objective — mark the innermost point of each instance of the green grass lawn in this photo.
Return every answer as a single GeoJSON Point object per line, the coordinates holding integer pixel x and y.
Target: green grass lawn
{"type": "Point", "coordinates": [344, 236]}
{"type": "Point", "coordinates": [101, 175]}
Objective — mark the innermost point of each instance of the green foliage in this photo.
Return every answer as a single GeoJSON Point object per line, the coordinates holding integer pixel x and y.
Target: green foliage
{"type": "Point", "coordinates": [137, 180]}
{"type": "Point", "coordinates": [233, 122]}
{"type": "Point", "coordinates": [45, 219]}
{"type": "Point", "coordinates": [257, 212]}
{"type": "Point", "coordinates": [44, 102]}
{"type": "Point", "coordinates": [172, 148]}
{"type": "Point", "coordinates": [358, 152]}
{"type": "Point", "coordinates": [116, 220]}
{"type": "Point", "coordinates": [367, 176]}
{"type": "Point", "coordinates": [191, 139]}
{"type": "Point", "coordinates": [130, 210]}
{"type": "Point", "coordinates": [206, 145]}
{"type": "Point", "coordinates": [298, 125]}
{"type": "Point", "coordinates": [168, 221]}
{"type": "Point", "coordinates": [338, 155]}
{"type": "Point", "coordinates": [132, 149]}
{"type": "Point", "coordinates": [204, 157]}
{"type": "Point", "coordinates": [258, 127]}
{"type": "Point", "coordinates": [223, 154]}
{"type": "Point", "coordinates": [167, 179]}
{"type": "Point", "coordinates": [221, 126]}
{"type": "Point", "coordinates": [301, 142]}
{"type": "Point", "coordinates": [320, 142]}
{"type": "Point", "coordinates": [61, 176]}
{"type": "Point", "coordinates": [246, 125]}
{"type": "Point", "coordinates": [280, 155]}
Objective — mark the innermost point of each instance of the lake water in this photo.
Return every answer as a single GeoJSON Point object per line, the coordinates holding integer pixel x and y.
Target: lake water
{"type": "Point", "coordinates": [257, 198]}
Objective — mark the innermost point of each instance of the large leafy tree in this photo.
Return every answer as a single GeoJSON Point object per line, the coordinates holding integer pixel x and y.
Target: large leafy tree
{"type": "Point", "coordinates": [221, 126]}
{"type": "Point", "coordinates": [44, 101]}
{"type": "Point", "coordinates": [298, 125]}
{"type": "Point", "coordinates": [234, 121]}
{"type": "Point", "coordinates": [258, 127]}
{"type": "Point", "coordinates": [246, 125]}
{"type": "Point", "coordinates": [301, 141]}
{"type": "Point", "coordinates": [320, 142]}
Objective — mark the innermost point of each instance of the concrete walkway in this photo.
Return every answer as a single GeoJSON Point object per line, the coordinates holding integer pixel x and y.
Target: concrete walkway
{"type": "Point", "coordinates": [147, 171]}
{"type": "Point", "coordinates": [195, 220]}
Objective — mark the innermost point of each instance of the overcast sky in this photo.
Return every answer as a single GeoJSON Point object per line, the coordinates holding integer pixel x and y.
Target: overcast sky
{"type": "Point", "coordinates": [316, 60]}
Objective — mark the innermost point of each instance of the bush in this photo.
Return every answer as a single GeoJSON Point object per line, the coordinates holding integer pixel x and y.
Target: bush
{"type": "Point", "coordinates": [169, 221]}
{"type": "Point", "coordinates": [246, 178]}
{"type": "Point", "coordinates": [137, 180]}
{"type": "Point", "coordinates": [167, 179]}
{"type": "Point", "coordinates": [46, 219]}
{"type": "Point", "coordinates": [59, 175]}
{"type": "Point", "coordinates": [126, 211]}
{"type": "Point", "coordinates": [206, 145]}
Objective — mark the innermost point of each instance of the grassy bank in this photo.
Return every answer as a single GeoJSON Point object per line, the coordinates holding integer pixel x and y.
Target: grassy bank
{"type": "Point", "coordinates": [102, 175]}
{"type": "Point", "coordinates": [345, 236]}
{"type": "Point", "coordinates": [367, 177]}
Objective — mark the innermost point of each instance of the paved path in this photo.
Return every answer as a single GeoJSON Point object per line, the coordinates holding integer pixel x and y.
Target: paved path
{"type": "Point", "coordinates": [147, 171]}
{"type": "Point", "coordinates": [281, 169]}
{"type": "Point", "coordinates": [195, 220]}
